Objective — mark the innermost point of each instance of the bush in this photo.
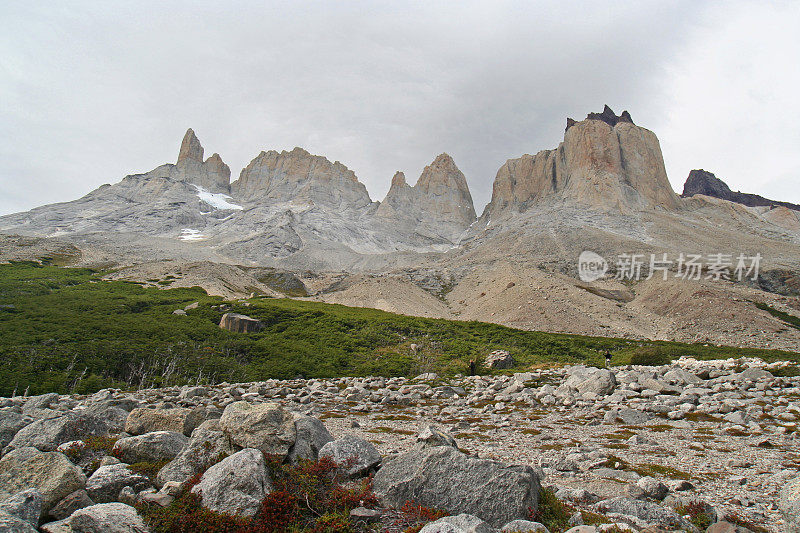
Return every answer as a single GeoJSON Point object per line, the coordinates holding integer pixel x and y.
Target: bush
{"type": "Point", "coordinates": [650, 356]}
{"type": "Point", "coordinates": [307, 497]}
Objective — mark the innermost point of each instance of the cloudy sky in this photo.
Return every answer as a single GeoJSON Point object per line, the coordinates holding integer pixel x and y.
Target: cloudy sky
{"type": "Point", "coordinates": [92, 91]}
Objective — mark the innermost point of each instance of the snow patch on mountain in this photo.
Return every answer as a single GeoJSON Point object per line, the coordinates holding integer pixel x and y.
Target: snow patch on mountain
{"type": "Point", "coordinates": [215, 200]}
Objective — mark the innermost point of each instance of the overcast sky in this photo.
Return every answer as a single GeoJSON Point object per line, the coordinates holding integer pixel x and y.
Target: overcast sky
{"type": "Point", "coordinates": [92, 91]}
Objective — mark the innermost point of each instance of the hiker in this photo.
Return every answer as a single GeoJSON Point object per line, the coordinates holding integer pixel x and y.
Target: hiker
{"type": "Point", "coordinates": [472, 366]}
{"type": "Point", "coordinates": [608, 359]}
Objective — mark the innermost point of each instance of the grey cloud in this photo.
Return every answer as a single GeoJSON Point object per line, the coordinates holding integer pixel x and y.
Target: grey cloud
{"type": "Point", "coordinates": [93, 91]}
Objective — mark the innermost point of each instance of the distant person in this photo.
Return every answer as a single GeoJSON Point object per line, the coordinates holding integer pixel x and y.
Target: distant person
{"type": "Point", "coordinates": [608, 359]}
{"type": "Point", "coordinates": [472, 367]}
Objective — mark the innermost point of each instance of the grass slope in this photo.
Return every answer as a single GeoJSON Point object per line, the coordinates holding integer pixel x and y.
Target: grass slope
{"type": "Point", "coordinates": [66, 330]}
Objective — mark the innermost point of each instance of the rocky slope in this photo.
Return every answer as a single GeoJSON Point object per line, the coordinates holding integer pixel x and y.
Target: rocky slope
{"type": "Point", "coordinates": [704, 182]}
{"type": "Point", "coordinates": [693, 446]}
{"type": "Point", "coordinates": [422, 250]}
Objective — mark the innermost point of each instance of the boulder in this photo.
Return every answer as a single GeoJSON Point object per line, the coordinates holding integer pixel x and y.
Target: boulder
{"type": "Point", "coordinates": [150, 447]}
{"type": "Point", "coordinates": [240, 323]}
{"type": "Point", "coordinates": [25, 505]}
{"type": "Point", "coordinates": [649, 512]}
{"type": "Point", "coordinates": [431, 436]}
{"type": "Point", "coordinates": [51, 473]}
{"type": "Point", "coordinates": [441, 477]}
{"type": "Point", "coordinates": [107, 518]}
{"type": "Point", "coordinates": [12, 524]}
{"type": "Point", "coordinates": [181, 420]}
{"type": "Point", "coordinates": [728, 527]}
{"type": "Point", "coordinates": [312, 435]}
{"type": "Point", "coordinates": [268, 427]}
{"type": "Point", "coordinates": [356, 457]}
{"type": "Point", "coordinates": [10, 423]}
{"type": "Point", "coordinates": [789, 504]}
{"type": "Point", "coordinates": [627, 416]}
{"type": "Point", "coordinates": [463, 523]}
{"type": "Point", "coordinates": [652, 488]}
{"type": "Point", "coordinates": [105, 483]}
{"type": "Point", "coordinates": [206, 446]}
{"type": "Point", "coordinates": [71, 503]}
{"type": "Point", "coordinates": [584, 379]}
{"type": "Point", "coordinates": [499, 359]}
{"type": "Point", "coordinates": [236, 485]}
{"type": "Point", "coordinates": [46, 434]}
{"type": "Point", "coordinates": [524, 526]}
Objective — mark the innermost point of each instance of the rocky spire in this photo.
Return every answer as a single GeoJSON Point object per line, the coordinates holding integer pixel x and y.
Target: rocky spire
{"type": "Point", "coordinates": [438, 206]}
{"type": "Point", "coordinates": [605, 161]}
{"type": "Point", "coordinates": [212, 174]}
{"type": "Point", "coordinates": [191, 149]}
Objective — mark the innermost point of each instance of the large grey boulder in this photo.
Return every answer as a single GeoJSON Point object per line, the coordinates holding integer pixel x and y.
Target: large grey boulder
{"type": "Point", "coordinates": [789, 504]}
{"type": "Point", "coordinates": [39, 402]}
{"type": "Point", "coordinates": [71, 503]}
{"type": "Point", "coordinates": [205, 447]}
{"type": "Point", "coordinates": [150, 447]}
{"type": "Point", "coordinates": [25, 505]}
{"type": "Point", "coordinates": [649, 512]}
{"type": "Point", "coordinates": [627, 416]}
{"type": "Point", "coordinates": [10, 423]}
{"type": "Point", "coordinates": [355, 456]}
{"type": "Point", "coordinates": [13, 524]}
{"type": "Point", "coordinates": [312, 435]}
{"type": "Point", "coordinates": [46, 434]}
{"type": "Point", "coordinates": [105, 483]}
{"type": "Point", "coordinates": [181, 420]}
{"type": "Point", "coordinates": [114, 417]}
{"type": "Point", "coordinates": [107, 518]}
{"type": "Point", "coordinates": [236, 485]}
{"type": "Point", "coordinates": [584, 379]}
{"type": "Point", "coordinates": [268, 427]}
{"type": "Point", "coordinates": [441, 477]}
{"type": "Point", "coordinates": [51, 473]}
{"type": "Point", "coordinates": [463, 523]}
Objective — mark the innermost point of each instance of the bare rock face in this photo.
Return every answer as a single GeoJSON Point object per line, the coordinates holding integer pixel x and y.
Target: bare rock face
{"type": "Point", "coordinates": [605, 162]}
{"type": "Point", "coordinates": [439, 205]}
{"type": "Point", "coordinates": [302, 178]}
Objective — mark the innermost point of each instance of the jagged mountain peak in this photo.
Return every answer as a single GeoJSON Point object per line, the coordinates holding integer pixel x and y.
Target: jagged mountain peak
{"type": "Point", "coordinates": [191, 149]}
{"type": "Point", "coordinates": [302, 177]}
{"type": "Point", "coordinates": [398, 180]}
{"type": "Point", "coordinates": [704, 182]}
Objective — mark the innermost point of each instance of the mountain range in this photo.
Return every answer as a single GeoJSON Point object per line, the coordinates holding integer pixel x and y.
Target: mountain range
{"type": "Point", "coordinates": [423, 249]}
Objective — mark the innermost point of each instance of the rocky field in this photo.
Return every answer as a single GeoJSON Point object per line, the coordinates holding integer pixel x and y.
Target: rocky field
{"type": "Point", "coordinates": [695, 446]}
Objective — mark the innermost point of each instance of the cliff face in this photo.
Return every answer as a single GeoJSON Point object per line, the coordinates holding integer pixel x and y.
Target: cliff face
{"type": "Point", "coordinates": [605, 162]}
{"type": "Point", "coordinates": [438, 206]}
{"type": "Point", "coordinates": [703, 182]}
{"type": "Point", "coordinates": [298, 176]}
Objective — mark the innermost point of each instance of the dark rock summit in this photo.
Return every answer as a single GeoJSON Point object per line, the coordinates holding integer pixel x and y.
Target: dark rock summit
{"type": "Point", "coordinates": [704, 182]}
{"type": "Point", "coordinates": [608, 116]}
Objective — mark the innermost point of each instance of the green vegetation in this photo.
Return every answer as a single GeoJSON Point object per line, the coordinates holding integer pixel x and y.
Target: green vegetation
{"type": "Point", "coordinates": [66, 330]}
{"type": "Point", "coordinates": [311, 497]}
{"type": "Point", "coordinates": [788, 319]}
{"type": "Point", "coordinates": [555, 514]}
